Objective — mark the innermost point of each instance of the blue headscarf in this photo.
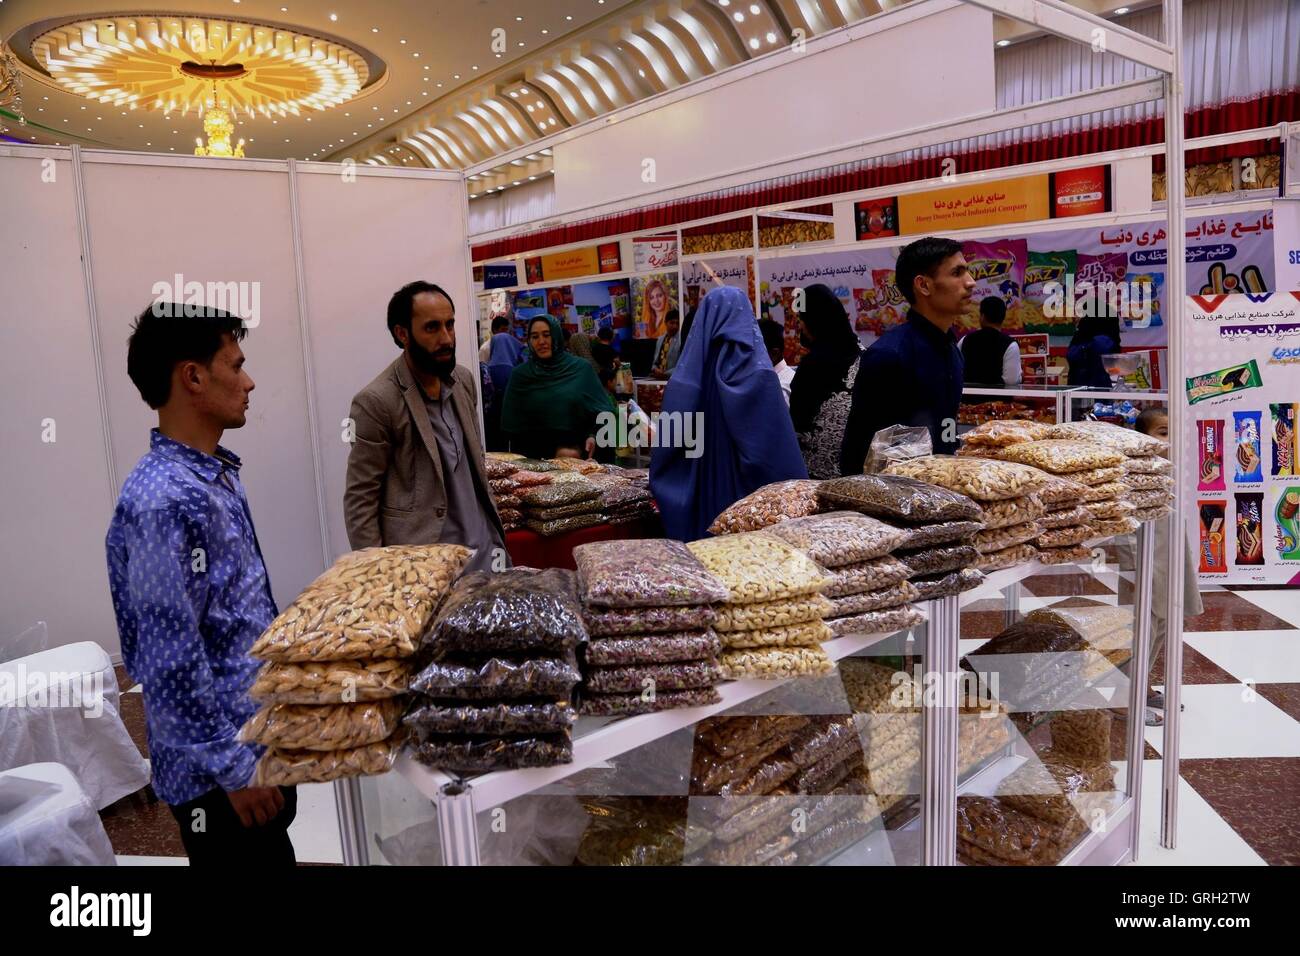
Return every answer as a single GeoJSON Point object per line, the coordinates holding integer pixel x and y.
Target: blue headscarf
{"type": "Point", "coordinates": [748, 440]}
{"type": "Point", "coordinates": [507, 352]}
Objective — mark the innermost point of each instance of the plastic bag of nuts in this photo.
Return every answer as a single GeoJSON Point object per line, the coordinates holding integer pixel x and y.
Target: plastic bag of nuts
{"type": "Point", "coordinates": [982, 479]}
{"type": "Point", "coordinates": [502, 486]}
{"type": "Point", "coordinates": [1057, 491]}
{"type": "Point", "coordinates": [1141, 482]}
{"type": "Point", "coordinates": [514, 610]}
{"type": "Point", "coordinates": [1097, 476]}
{"type": "Point", "coordinates": [1152, 514]}
{"type": "Point", "coordinates": [496, 469]}
{"type": "Point", "coordinates": [591, 507]}
{"type": "Point", "coordinates": [768, 614]}
{"type": "Point", "coordinates": [1064, 555]}
{"type": "Point", "coordinates": [943, 585]}
{"type": "Point", "coordinates": [808, 634]}
{"type": "Point", "coordinates": [517, 717]}
{"type": "Point", "coordinates": [1000, 538]}
{"type": "Point", "coordinates": [1000, 432]}
{"type": "Point", "coordinates": [469, 677]}
{"type": "Point", "coordinates": [710, 773]}
{"type": "Point", "coordinates": [1006, 558]}
{"type": "Point", "coordinates": [839, 537]}
{"type": "Point", "coordinates": [774, 663]}
{"type": "Point", "coordinates": [825, 737]}
{"type": "Point", "coordinates": [333, 682]}
{"type": "Point", "coordinates": [626, 705]}
{"type": "Point", "coordinates": [1102, 510]}
{"type": "Point", "coordinates": [1082, 734]}
{"type": "Point", "coordinates": [1062, 456]}
{"type": "Point", "coordinates": [1113, 489]}
{"type": "Point", "coordinates": [1126, 440]}
{"type": "Point", "coordinates": [583, 466]}
{"type": "Point", "coordinates": [1003, 514]}
{"type": "Point", "coordinates": [652, 649]}
{"type": "Point", "coordinates": [768, 505]}
{"type": "Point", "coordinates": [1115, 526]}
{"type": "Point", "coordinates": [884, 621]}
{"type": "Point", "coordinates": [945, 533]}
{"type": "Point", "coordinates": [892, 596]}
{"type": "Point", "coordinates": [729, 736]}
{"type": "Point", "coordinates": [1064, 518]}
{"type": "Point", "coordinates": [323, 726]}
{"type": "Point", "coordinates": [373, 603]}
{"type": "Point", "coordinates": [554, 494]}
{"type": "Point", "coordinates": [867, 576]}
{"type": "Point", "coordinates": [561, 525]}
{"type": "Point", "coordinates": [757, 567]}
{"type": "Point", "coordinates": [763, 779]}
{"type": "Point", "coordinates": [938, 560]}
{"type": "Point", "coordinates": [1149, 465]}
{"type": "Point", "coordinates": [612, 622]}
{"type": "Point", "coordinates": [653, 572]}
{"type": "Point", "coordinates": [1064, 537]}
{"type": "Point", "coordinates": [288, 768]}
{"type": "Point", "coordinates": [530, 479]}
{"type": "Point", "coordinates": [467, 754]}
{"type": "Point", "coordinates": [683, 675]}
{"type": "Point", "coordinates": [896, 497]}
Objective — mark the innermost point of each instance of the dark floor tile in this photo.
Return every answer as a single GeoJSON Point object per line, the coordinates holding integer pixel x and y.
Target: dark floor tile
{"type": "Point", "coordinates": [982, 624]}
{"type": "Point", "coordinates": [1064, 585]}
{"type": "Point", "coordinates": [1225, 611]}
{"type": "Point", "coordinates": [124, 682]}
{"type": "Point", "coordinates": [141, 825]}
{"type": "Point", "coordinates": [1285, 697]}
{"type": "Point", "coordinates": [1119, 738]}
{"type": "Point", "coordinates": [132, 708]}
{"type": "Point", "coordinates": [1197, 669]}
{"type": "Point", "coordinates": [1259, 797]}
{"type": "Point", "coordinates": [1079, 602]}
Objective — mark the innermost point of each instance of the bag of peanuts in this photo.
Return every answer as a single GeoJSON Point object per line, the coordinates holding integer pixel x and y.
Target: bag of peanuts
{"type": "Point", "coordinates": [768, 505]}
{"type": "Point", "coordinates": [649, 572]}
{"type": "Point", "coordinates": [1098, 476]}
{"type": "Point", "coordinates": [1061, 456]}
{"type": "Point", "coordinates": [1056, 491]}
{"type": "Point", "coordinates": [323, 727]}
{"type": "Point", "coordinates": [373, 603]}
{"type": "Point", "coordinates": [288, 768]}
{"type": "Point", "coordinates": [839, 537]}
{"type": "Point", "coordinates": [332, 682]}
{"type": "Point", "coordinates": [1126, 440]}
{"type": "Point", "coordinates": [896, 496]}
{"type": "Point", "coordinates": [999, 433]}
{"type": "Point", "coordinates": [982, 479]}
{"type": "Point", "coordinates": [1148, 465]}
{"type": "Point", "coordinates": [1001, 514]}
{"type": "Point", "coordinates": [745, 617]}
{"type": "Point", "coordinates": [758, 567]}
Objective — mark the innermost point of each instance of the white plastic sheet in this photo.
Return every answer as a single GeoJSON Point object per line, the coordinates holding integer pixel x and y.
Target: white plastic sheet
{"type": "Point", "coordinates": [46, 820]}
{"type": "Point", "coordinates": [62, 706]}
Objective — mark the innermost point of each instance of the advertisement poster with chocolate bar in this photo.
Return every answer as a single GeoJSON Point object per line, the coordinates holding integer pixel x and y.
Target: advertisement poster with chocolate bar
{"type": "Point", "coordinates": [1240, 441]}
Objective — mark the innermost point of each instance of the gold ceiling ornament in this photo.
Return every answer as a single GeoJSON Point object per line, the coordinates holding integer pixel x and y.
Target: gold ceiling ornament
{"type": "Point", "coordinates": [11, 84]}
{"type": "Point", "coordinates": [167, 63]}
{"type": "Point", "coordinates": [219, 128]}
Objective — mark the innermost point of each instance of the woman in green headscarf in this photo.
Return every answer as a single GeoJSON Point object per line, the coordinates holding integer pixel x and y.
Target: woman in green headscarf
{"type": "Point", "coordinates": [553, 399]}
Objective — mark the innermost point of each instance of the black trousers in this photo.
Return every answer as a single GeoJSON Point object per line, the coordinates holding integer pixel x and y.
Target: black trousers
{"type": "Point", "coordinates": [216, 836]}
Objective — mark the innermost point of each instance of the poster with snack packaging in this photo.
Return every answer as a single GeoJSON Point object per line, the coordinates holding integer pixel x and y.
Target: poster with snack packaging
{"type": "Point", "coordinates": [998, 268]}
{"type": "Point", "coordinates": [1241, 393]}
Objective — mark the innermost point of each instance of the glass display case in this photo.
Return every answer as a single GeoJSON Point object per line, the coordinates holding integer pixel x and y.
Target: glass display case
{"type": "Point", "coordinates": [1119, 407]}
{"type": "Point", "coordinates": [1038, 403]}
{"type": "Point", "coordinates": [995, 732]}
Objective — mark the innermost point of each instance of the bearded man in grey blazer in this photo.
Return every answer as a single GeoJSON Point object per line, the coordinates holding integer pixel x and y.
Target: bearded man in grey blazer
{"type": "Point", "coordinates": [415, 472]}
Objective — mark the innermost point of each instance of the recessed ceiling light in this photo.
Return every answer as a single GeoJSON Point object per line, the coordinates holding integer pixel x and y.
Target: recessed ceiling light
{"type": "Point", "coordinates": [530, 107]}
{"type": "Point", "coordinates": [531, 178]}
{"type": "Point", "coordinates": [740, 17]}
{"type": "Point", "coordinates": [753, 8]}
{"type": "Point", "coordinates": [544, 32]}
{"type": "Point", "coordinates": [771, 37]}
{"type": "Point", "coordinates": [426, 66]}
{"type": "Point", "coordinates": [519, 19]}
{"type": "Point", "coordinates": [521, 42]}
{"type": "Point", "coordinates": [514, 94]}
{"type": "Point", "coordinates": [374, 29]}
{"type": "Point", "coordinates": [334, 16]}
{"type": "Point", "coordinates": [476, 68]}
{"type": "Point", "coordinates": [568, 17]}
{"type": "Point", "coordinates": [455, 76]}
{"type": "Point", "coordinates": [753, 43]}
{"type": "Point", "coordinates": [1120, 11]}
{"type": "Point", "coordinates": [416, 55]}
{"type": "Point", "coordinates": [401, 41]}
{"type": "Point", "coordinates": [1004, 43]}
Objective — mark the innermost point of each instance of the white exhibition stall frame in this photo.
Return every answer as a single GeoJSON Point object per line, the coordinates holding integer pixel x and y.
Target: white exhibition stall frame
{"type": "Point", "coordinates": [1131, 171]}
{"type": "Point", "coordinates": [85, 237]}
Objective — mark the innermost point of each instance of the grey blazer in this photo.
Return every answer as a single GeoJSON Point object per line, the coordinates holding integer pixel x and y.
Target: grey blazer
{"type": "Point", "coordinates": [395, 492]}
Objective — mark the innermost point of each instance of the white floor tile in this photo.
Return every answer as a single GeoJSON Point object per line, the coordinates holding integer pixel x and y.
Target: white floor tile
{"type": "Point", "coordinates": [1204, 837]}
{"type": "Point", "coordinates": [137, 689]}
{"type": "Point", "coordinates": [1285, 603]}
{"type": "Point", "coordinates": [153, 861]}
{"type": "Point", "coordinates": [315, 830]}
{"type": "Point", "coordinates": [1218, 721]}
{"type": "Point", "coordinates": [1261, 657]}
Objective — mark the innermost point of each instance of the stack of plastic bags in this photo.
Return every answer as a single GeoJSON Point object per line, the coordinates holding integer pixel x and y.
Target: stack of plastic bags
{"type": "Point", "coordinates": [1066, 522]}
{"type": "Point", "coordinates": [774, 502]}
{"type": "Point", "coordinates": [497, 693]}
{"type": "Point", "coordinates": [1099, 467]}
{"type": "Point", "coordinates": [500, 473]}
{"type": "Point", "coordinates": [868, 591]}
{"type": "Point", "coordinates": [771, 625]}
{"type": "Point", "coordinates": [561, 506]}
{"type": "Point", "coordinates": [887, 710]}
{"type": "Point", "coordinates": [1148, 473]}
{"type": "Point", "coordinates": [648, 606]}
{"type": "Point", "coordinates": [330, 692]}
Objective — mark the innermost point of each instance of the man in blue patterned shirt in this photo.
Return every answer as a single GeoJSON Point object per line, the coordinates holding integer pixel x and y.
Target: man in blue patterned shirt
{"type": "Point", "coordinates": [190, 589]}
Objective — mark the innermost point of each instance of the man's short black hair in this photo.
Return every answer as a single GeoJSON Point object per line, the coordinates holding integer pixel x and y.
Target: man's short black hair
{"type": "Point", "coordinates": [673, 316]}
{"type": "Point", "coordinates": [773, 334]}
{"type": "Point", "coordinates": [500, 324]}
{"type": "Point", "coordinates": [402, 304]}
{"type": "Point", "coordinates": [606, 334]}
{"type": "Point", "coordinates": [164, 335]}
{"type": "Point", "coordinates": [993, 308]}
{"type": "Point", "coordinates": [921, 258]}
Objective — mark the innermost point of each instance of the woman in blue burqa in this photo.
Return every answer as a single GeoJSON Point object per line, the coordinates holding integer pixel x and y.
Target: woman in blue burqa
{"type": "Point", "coordinates": [744, 438]}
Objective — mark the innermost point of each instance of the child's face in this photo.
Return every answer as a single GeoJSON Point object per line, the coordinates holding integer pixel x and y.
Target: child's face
{"type": "Point", "coordinates": [1159, 428]}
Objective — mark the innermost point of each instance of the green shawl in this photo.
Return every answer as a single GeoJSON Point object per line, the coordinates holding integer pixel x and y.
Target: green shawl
{"type": "Point", "coordinates": [559, 394]}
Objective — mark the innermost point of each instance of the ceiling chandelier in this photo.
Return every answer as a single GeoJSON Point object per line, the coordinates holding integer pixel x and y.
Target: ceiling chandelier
{"type": "Point", "coordinates": [168, 63]}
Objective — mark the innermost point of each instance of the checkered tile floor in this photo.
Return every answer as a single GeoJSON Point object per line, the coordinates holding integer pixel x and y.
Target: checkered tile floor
{"type": "Point", "coordinates": [1239, 801]}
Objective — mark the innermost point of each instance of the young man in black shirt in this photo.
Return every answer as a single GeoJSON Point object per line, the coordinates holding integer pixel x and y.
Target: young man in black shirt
{"type": "Point", "coordinates": [992, 357]}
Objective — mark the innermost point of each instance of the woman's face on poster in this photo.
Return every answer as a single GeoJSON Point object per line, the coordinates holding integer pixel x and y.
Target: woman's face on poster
{"type": "Point", "coordinates": [658, 299]}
